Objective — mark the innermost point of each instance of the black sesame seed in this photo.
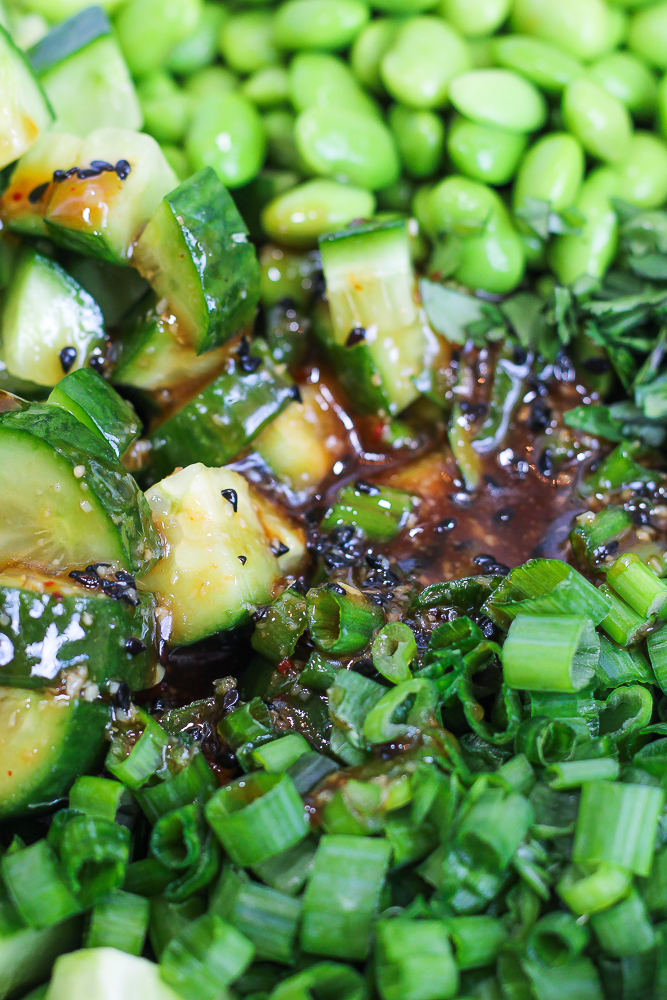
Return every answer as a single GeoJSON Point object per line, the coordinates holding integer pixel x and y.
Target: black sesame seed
{"type": "Point", "coordinates": [134, 646]}
{"type": "Point", "coordinates": [279, 549]}
{"type": "Point", "coordinates": [83, 173]}
{"type": "Point", "coordinates": [123, 169]}
{"type": "Point", "coordinates": [337, 589]}
{"type": "Point", "coordinates": [122, 696]}
{"type": "Point", "coordinates": [365, 667]}
{"type": "Point", "coordinates": [367, 488]}
{"type": "Point", "coordinates": [67, 358]}
{"type": "Point", "coordinates": [242, 559]}
{"type": "Point", "coordinates": [540, 415]}
{"type": "Point", "coordinates": [102, 165]}
{"type": "Point", "coordinates": [97, 363]}
{"type": "Point", "coordinates": [37, 193]}
{"type": "Point", "coordinates": [295, 392]}
{"type": "Point", "coordinates": [504, 514]}
{"type": "Point", "coordinates": [355, 336]}
{"type": "Point", "coordinates": [232, 497]}
{"type": "Point", "coordinates": [545, 464]}
{"type": "Point", "coordinates": [250, 364]}
{"type": "Point", "coordinates": [300, 586]}
{"type": "Point", "coordinates": [230, 699]}
{"type": "Point", "coordinates": [89, 580]}
{"type": "Point", "coordinates": [447, 525]}
{"type": "Point", "coordinates": [244, 348]}
{"type": "Point", "coordinates": [122, 576]}
{"type": "Point", "coordinates": [489, 630]}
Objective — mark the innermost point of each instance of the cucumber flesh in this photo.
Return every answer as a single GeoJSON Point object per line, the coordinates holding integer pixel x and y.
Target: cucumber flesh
{"type": "Point", "coordinates": [196, 254]}
{"type": "Point", "coordinates": [50, 325]}
{"type": "Point", "coordinates": [101, 216]}
{"type": "Point", "coordinates": [23, 204]}
{"type": "Point", "coordinates": [115, 288]}
{"type": "Point", "coordinates": [202, 581]}
{"type": "Point", "coordinates": [24, 110]}
{"type": "Point", "coordinates": [107, 974]}
{"type": "Point", "coordinates": [67, 38]}
{"type": "Point", "coordinates": [76, 505]}
{"type": "Point", "coordinates": [98, 406]}
{"type": "Point", "coordinates": [47, 739]}
{"type": "Point", "coordinates": [27, 955]}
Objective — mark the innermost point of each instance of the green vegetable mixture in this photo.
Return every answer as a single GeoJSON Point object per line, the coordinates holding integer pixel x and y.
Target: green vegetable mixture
{"type": "Point", "coordinates": [333, 500]}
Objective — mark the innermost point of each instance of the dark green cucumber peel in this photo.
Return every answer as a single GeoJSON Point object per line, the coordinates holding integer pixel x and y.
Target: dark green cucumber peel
{"type": "Point", "coordinates": [89, 398]}
{"type": "Point", "coordinates": [67, 38]}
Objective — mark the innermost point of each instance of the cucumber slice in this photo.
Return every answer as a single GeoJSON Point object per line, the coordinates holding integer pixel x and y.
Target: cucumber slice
{"type": "Point", "coordinates": [196, 254]}
{"type": "Point", "coordinates": [27, 955]}
{"type": "Point", "coordinates": [101, 215]}
{"type": "Point", "coordinates": [76, 504]}
{"type": "Point", "coordinates": [23, 204]}
{"type": "Point", "coordinates": [50, 325]}
{"type": "Point", "coordinates": [48, 624]}
{"type": "Point", "coordinates": [47, 739]}
{"type": "Point", "coordinates": [98, 406]}
{"type": "Point", "coordinates": [85, 76]}
{"type": "Point", "coordinates": [24, 110]}
{"type": "Point", "coordinates": [220, 565]}
{"type": "Point", "coordinates": [107, 974]}
{"type": "Point", "coordinates": [224, 417]}
{"type": "Point", "coordinates": [115, 288]}
{"type": "Point", "coordinates": [378, 333]}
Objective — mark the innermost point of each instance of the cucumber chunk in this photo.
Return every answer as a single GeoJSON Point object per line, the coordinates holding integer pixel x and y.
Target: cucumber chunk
{"type": "Point", "coordinates": [220, 565]}
{"type": "Point", "coordinates": [107, 974]}
{"type": "Point", "coordinates": [76, 504]}
{"type": "Point", "coordinates": [26, 954]}
{"type": "Point", "coordinates": [224, 417]}
{"type": "Point", "coordinates": [48, 624]}
{"type": "Point", "coordinates": [115, 288]}
{"type": "Point", "coordinates": [196, 254]}
{"type": "Point", "coordinates": [50, 325]}
{"type": "Point", "coordinates": [24, 110]}
{"type": "Point", "coordinates": [23, 204]}
{"type": "Point", "coordinates": [102, 215]}
{"type": "Point", "coordinates": [85, 76]}
{"type": "Point", "coordinates": [98, 406]}
{"type": "Point", "coordinates": [378, 340]}
{"type": "Point", "coordinates": [47, 739]}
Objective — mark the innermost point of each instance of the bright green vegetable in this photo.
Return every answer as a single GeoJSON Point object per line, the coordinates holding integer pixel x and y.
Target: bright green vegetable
{"type": "Point", "coordinates": [498, 97]}
{"type": "Point", "coordinates": [425, 55]}
{"type": "Point", "coordinates": [483, 152]}
{"type": "Point", "coordinates": [227, 134]}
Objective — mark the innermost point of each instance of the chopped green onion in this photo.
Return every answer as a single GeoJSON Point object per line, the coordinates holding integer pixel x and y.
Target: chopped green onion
{"type": "Point", "coordinates": [326, 980]}
{"type": "Point", "coordinates": [204, 957]}
{"type": "Point", "coordinates": [585, 891]}
{"type": "Point", "coordinates": [411, 704]}
{"type": "Point", "coordinates": [279, 755]}
{"type": "Point", "coordinates": [378, 511]}
{"type": "Point", "coordinates": [594, 532]}
{"type": "Point", "coordinates": [414, 961]}
{"type": "Point", "coordinates": [309, 769]}
{"type": "Point", "coordinates": [465, 455]}
{"type": "Point", "coordinates": [119, 920]}
{"type": "Point", "coordinates": [96, 797]}
{"type": "Point", "coordinates": [287, 872]}
{"type": "Point", "coordinates": [342, 896]}
{"type": "Point", "coordinates": [409, 843]}
{"type": "Point", "coordinates": [394, 649]}
{"type": "Point", "coordinates": [199, 875]}
{"type": "Point", "coordinates": [257, 816]}
{"type": "Point", "coordinates": [617, 824]}
{"type": "Point", "coordinates": [134, 760]}
{"type": "Point", "coordinates": [269, 919]}
{"type": "Point", "coordinates": [492, 829]}
{"type": "Point", "coordinates": [195, 782]}
{"type": "Point", "coordinates": [657, 651]}
{"type": "Point", "coordinates": [37, 886]}
{"type": "Point", "coordinates": [319, 673]}
{"type": "Point", "coordinates": [343, 747]}
{"type": "Point", "coordinates": [341, 620]}
{"type": "Point", "coordinates": [618, 469]}
{"type": "Point", "coordinates": [94, 855]}
{"type": "Point", "coordinates": [476, 939]}
{"type": "Point", "coordinates": [623, 666]}
{"type": "Point", "coordinates": [557, 939]}
{"type": "Point", "coordinates": [545, 587]}
{"type": "Point", "coordinates": [246, 724]}
{"type": "Point", "coordinates": [544, 653]}
{"type": "Point", "coordinates": [545, 741]}
{"type": "Point", "coordinates": [578, 980]}
{"type": "Point", "coordinates": [625, 928]}
{"type": "Point", "coordinates": [351, 699]}
{"type": "Point", "coordinates": [626, 711]}
{"type": "Point", "coordinates": [518, 773]}
{"type": "Point", "coordinates": [167, 920]}
{"type": "Point", "coordinates": [574, 773]}
{"type": "Point", "coordinates": [147, 877]}
{"type": "Point", "coordinates": [176, 838]}
{"type": "Point", "coordinates": [638, 586]}
{"type": "Point", "coordinates": [278, 631]}
{"type": "Point", "coordinates": [622, 623]}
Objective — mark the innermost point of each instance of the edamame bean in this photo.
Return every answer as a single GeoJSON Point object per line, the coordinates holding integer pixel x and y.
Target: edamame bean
{"type": "Point", "coordinates": [322, 80]}
{"type": "Point", "coordinates": [420, 139]}
{"type": "Point", "coordinates": [483, 152]}
{"type": "Point", "coordinates": [298, 217]}
{"type": "Point", "coordinates": [495, 260]}
{"type": "Point", "coordinates": [617, 28]}
{"type": "Point", "coordinates": [647, 36]}
{"type": "Point", "coordinates": [404, 8]}
{"type": "Point", "coordinates": [227, 134]}
{"type": "Point", "coordinates": [199, 48]}
{"type": "Point", "coordinates": [549, 67]}
{"type": "Point", "coordinates": [627, 78]}
{"type": "Point", "coordinates": [581, 27]}
{"type": "Point", "coordinates": [662, 105]}
{"type": "Point", "coordinates": [474, 18]}
{"type": "Point", "coordinates": [319, 24]}
{"type": "Point", "coordinates": [210, 82]}
{"type": "Point", "coordinates": [351, 147]}
{"type": "Point", "coordinates": [369, 49]}
{"type": "Point", "coordinates": [592, 251]}
{"type": "Point", "coordinates": [246, 41]}
{"type": "Point", "coordinates": [425, 56]}
{"type": "Point", "coordinates": [281, 140]}
{"type": "Point", "coordinates": [600, 122]}
{"type": "Point", "coordinates": [166, 107]}
{"type": "Point", "coordinates": [456, 206]}
{"type": "Point", "coordinates": [482, 52]}
{"type": "Point", "coordinates": [267, 87]}
{"type": "Point", "coordinates": [145, 48]}
{"type": "Point", "coordinates": [552, 171]}
{"type": "Point", "coordinates": [642, 175]}
{"type": "Point", "coordinates": [498, 97]}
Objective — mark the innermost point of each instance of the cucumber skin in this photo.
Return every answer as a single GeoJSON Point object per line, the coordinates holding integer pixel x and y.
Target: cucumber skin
{"type": "Point", "coordinates": [206, 229]}
{"type": "Point", "coordinates": [68, 37]}
{"type": "Point", "coordinates": [117, 491]}
{"type": "Point", "coordinates": [354, 366]}
{"type": "Point", "coordinates": [222, 419]}
{"type": "Point", "coordinates": [101, 650]}
{"type": "Point", "coordinates": [98, 406]}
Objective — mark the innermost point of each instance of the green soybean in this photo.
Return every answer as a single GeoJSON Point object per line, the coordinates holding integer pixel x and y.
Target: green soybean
{"type": "Point", "coordinates": [227, 134]}
{"type": "Point", "coordinates": [547, 66]}
{"type": "Point", "coordinates": [319, 24]}
{"type": "Point", "coordinates": [581, 27]}
{"type": "Point", "coordinates": [199, 48]}
{"type": "Point", "coordinates": [298, 217]}
{"type": "Point", "coordinates": [352, 148]}
{"type": "Point", "coordinates": [246, 41]}
{"type": "Point", "coordinates": [600, 122]}
{"type": "Point", "coordinates": [404, 8]}
{"type": "Point", "coordinates": [475, 17]}
{"type": "Point", "coordinates": [425, 56]}
{"type": "Point", "coordinates": [166, 107]}
{"type": "Point", "coordinates": [210, 82]}
{"type": "Point", "coordinates": [662, 105]}
{"type": "Point", "coordinates": [420, 139]}
{"type": "Point", "coordinates": [456, 206]}
{"type": "Point", "coordinates": [482, 52]}
{"type": "Point", "coordinates": [648, 35]}
{"type": "Point", "coordinates": [281, 140]}
{"type": "Point", "coordinates": [618, 25]}
{"type": "Point", "coordinates": [627, 78]}
{"type": "Point", "coordinates": [369, 49]}
{"type": "Point", "coordinates": [498, 97]}
{"type": "Point", "coordinates": [643, 174]}
{"type": "Point", "coordinates": [495, 260]}
{"type": "Point", "coordinates": [267, 87]}
{"type": "Point", "coordinates": [483, 152]}
{"type": "Point", "coordinates": [145, 48]}
{"type": "Point", "coordinates": [552, 171]}
{"type": "Point", "coordinates": [323, 80]}
{"type": "Point", "coordinates": [593, 249]}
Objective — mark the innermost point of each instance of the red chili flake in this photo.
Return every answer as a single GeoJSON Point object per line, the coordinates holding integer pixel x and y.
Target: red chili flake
{"type": "Point", "coordinates": [285, 666]}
